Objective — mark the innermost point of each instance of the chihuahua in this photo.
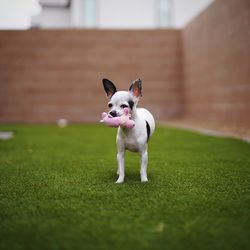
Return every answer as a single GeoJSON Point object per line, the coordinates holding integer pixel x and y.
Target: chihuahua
{"type": "Point", "coordinates": [135, 139]}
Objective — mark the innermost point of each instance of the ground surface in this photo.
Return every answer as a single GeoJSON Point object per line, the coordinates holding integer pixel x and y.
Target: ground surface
{"type": "Point", "coordinates": [57, 191]}
{"type": "Point", "coordinates": [221, 129]}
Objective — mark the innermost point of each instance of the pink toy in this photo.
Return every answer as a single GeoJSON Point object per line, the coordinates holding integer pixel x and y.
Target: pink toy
{"type": "Point", "coordinates": [123, 121]}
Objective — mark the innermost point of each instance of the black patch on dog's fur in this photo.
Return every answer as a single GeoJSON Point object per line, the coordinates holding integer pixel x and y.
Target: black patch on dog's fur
{"type": "Point", "coordinates": [148, 130]}
{"type": "Point", "coordinates": [131, 104]}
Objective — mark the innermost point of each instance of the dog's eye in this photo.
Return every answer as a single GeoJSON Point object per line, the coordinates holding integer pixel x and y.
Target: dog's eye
{"type": "Point", "coordinates": [110, 105]}
{"type": "Point", "coordinates": [124, 106]}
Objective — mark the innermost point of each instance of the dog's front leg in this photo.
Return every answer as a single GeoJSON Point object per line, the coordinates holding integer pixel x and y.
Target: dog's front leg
{"type": "Point", "coordinates": [144, 163]}
{"type": "Point", "coordinates": [120, 160]}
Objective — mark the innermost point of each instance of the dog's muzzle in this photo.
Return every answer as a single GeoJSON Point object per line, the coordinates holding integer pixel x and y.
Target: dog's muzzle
{"type": "Point", "coordinates": [113, 113]}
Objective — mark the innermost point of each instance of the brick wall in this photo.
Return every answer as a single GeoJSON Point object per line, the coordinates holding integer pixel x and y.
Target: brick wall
{"type": "Point", "coordinates": [216, 64]}
{"type": "Point", "coordinates": [49, 74]}
{"type": "Point", "coordinates": [200, 73]}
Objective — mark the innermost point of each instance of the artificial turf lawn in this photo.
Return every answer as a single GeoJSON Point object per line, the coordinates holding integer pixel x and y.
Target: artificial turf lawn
{"type": "Point", "coordinates": [58, 191]}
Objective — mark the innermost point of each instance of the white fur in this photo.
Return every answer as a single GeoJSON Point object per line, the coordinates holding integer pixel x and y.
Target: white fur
{"type": "Point", "coordinates": [134, 139]}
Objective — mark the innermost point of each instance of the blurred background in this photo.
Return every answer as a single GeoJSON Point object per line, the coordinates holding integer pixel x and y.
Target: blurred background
{"type": "Point", "coordinates": [192, 56]}
{"type": "Point", "coordinates": [120, 14]}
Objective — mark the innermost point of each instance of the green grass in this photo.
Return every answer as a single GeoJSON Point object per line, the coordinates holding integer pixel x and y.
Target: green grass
{"type": "Point", "coordinates": [57, 191]}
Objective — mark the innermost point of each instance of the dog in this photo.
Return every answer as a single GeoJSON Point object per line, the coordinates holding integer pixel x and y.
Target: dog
{"type": "Point", "coordinates": [135, 139]}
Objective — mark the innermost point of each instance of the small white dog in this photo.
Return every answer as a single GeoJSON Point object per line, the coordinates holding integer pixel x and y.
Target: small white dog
{"type": "Point", "coordinates": [135, 139]}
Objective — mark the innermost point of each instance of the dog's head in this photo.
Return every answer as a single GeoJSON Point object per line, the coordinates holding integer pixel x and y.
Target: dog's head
{"type": "Point", "coordinates": [118, 100]}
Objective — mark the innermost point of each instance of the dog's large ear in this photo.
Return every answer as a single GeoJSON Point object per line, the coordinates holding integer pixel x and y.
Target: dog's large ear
{"type": "Point", "coordinates": [109, 87]}
{"type": "Point", "coordinates": [136, 88]}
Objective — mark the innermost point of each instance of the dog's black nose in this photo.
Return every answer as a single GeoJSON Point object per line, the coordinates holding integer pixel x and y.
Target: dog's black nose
{"type": "Point", "coordinates": [113, 113]}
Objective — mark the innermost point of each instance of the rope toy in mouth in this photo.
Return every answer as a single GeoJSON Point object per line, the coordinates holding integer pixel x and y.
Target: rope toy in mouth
{"type": "Point", "coordinates": [124, 121]}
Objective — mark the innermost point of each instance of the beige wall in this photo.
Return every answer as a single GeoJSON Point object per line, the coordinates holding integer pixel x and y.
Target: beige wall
{"type": "Point", "coordinates": [46, 75]}
{"type": "Point", "coordinates": [216, 63]}
{"type": "Point", "coordinates": [200, 73]}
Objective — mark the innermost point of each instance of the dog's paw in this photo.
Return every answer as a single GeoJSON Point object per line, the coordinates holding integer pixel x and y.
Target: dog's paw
{"type": "Point", "coordinates": [144, 179]}
{"type": "Point", "coordinates": [120, 180]}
